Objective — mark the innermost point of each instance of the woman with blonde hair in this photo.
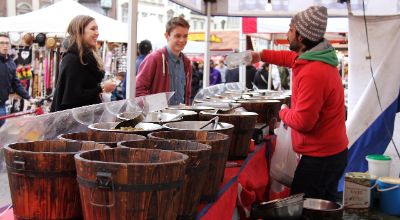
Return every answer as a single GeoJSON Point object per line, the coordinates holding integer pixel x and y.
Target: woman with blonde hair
{"type": "Point", "coordinates": [81, 68]}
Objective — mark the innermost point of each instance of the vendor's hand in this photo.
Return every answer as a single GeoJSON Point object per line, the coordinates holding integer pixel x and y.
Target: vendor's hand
{"type": "Point", "coordinates": [108, 86]}
{"type": "Point", "coordinates": [283, 106]}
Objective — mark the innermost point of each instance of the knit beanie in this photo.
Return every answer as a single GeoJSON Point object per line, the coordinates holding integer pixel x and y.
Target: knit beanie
{"type": "Point", "coordinates": [311, 23]}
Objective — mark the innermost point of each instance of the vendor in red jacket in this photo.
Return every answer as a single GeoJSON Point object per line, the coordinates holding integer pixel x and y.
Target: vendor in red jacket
{"type": "Point", "coordinates": [168, 69]}
{"type": "Point", "coordinates": [317, 112]}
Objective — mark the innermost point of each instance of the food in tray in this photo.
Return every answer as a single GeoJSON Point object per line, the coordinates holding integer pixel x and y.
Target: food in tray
{"type": "Point", "coordinates": [128, 129]}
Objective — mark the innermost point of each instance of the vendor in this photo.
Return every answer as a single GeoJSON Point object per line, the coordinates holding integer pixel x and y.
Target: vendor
{"type": "Point", "coordinates": [317, 115]}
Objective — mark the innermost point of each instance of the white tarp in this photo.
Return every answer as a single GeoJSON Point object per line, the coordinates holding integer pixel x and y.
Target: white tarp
{"type": "Point", "coordinates": [287, 8]}
{"type": "Point", "coordinates": [370, 125]}
{"type": "Point", "coordinates": [56, 17]}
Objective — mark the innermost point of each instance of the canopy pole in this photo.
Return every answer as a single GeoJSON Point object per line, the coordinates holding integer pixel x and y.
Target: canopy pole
{"type": "Point", "coordinates": [242, 48]}
{"type": "Point", "coordinates": [132, 51]}
{"type": "Point", "coordinates": [270, 65]}
{"type": "Point", "coordinates": [206, 70]}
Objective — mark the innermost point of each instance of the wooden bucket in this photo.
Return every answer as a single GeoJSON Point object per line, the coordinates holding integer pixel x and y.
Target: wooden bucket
{"type": "Point", "coordinates": [125, 183]}
{"type": "Point", "coordinates": [219, 154]}
{"type": "Point", "coordinates": [266, 109]}
{"type": "Point", "coordinates": [109, 138]}
{"type": "Point", "coordinates": [244, 123]}
{"type": "Point", "coordinates": [196, 171]}
{"type": "Point", "coordinates": [42, 178]}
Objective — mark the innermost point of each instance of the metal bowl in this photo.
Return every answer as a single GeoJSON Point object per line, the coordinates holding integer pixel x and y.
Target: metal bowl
{"type": "Point", "coordinates": [196, 108]}
{"type": "Point", "coordinates": [152, 117]}
{"type": "Point", "coordinates": [187, 114]}
{"type": "Point", "coordinates": [322, 209]}
{"type": "Point", "coordinates": [196, 125]}
{"type": "Point", "coordinates": [109, 127]}
{"type": "Point", "coordinates": [289, 211]}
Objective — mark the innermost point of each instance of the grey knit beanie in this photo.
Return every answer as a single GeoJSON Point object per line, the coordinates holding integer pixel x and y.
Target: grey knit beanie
{"type": "Point", "coordinates": [311, 23]}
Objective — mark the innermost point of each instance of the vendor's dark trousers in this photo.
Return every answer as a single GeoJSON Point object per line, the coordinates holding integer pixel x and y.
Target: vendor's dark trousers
{"type": "Point", "coordinates": [318, 177]}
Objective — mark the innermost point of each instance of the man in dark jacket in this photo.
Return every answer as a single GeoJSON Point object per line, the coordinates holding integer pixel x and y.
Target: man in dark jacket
{"type": "Point", "coordinates": [8, 79]}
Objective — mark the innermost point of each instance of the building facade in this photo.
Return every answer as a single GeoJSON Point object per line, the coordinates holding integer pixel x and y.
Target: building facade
{"type": "Point", "coordinates": [160, 10]}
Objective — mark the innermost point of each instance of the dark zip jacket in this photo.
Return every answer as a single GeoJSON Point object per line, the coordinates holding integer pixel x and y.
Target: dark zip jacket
{"type": "Point", "coordinates": [9, 82]}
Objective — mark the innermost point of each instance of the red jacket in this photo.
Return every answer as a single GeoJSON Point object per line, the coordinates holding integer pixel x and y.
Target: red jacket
{"type": "Point", "coordinates": [317, 113]}
{"type": "Point", "coordinates": [153, 74]}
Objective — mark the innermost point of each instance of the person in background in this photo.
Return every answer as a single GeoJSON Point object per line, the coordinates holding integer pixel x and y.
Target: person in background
{"type": "Point", "coordinates": [215, 75]}
{"type": "Point", "coordinates": [144, 49]}
{"type": "Point", "coordinates": [9, 81]}
{"type": "Point", "coordinates": [316, 115]}
{"type": "Point", "coordinates": [285, 78]}
{"type": "Point", "coordinates": [232, 75]}
{"type": "Point", "coordinates": [222, 69]}
{"type": "Point", "coordinates": [261, 77]}
{"type": "Point", "coordinates": [118, 94]}
{"type": "Point", "coordinates": [81, 69]}
{"type": "Point", "coordinates": [250, 74]}
{"type": "Point", "coordinates": [196, 80]}
{"type": "Point", "coordinates": [168, 69]}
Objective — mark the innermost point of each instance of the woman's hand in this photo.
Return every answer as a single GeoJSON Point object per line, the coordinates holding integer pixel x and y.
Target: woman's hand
{"type": "Point", "coordinates": [108, 86]}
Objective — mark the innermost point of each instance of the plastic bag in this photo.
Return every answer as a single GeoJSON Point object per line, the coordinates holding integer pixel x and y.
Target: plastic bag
{"type": "Point", "coordinates": [234, 60]}
{"type": "Point", "coordinates": [284, 159]}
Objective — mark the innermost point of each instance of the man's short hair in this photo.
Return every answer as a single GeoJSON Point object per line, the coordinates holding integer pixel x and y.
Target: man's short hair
{"type": "Point", "coordinates": [4, 35]}
{"type": "Point", "coordinates": [145, 47]}
{"type": "Point", "coordinates": [175, 22]}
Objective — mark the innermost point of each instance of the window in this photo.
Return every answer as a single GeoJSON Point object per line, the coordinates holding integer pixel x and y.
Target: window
{"type": "Point", "coordinates": [170, 14]}
{"type": "Point", "coordinates": [223, 22]}
{"type": "Point", "coordinates": [160, 18]}
{"type": "Point", "coordinates": [23, 8]}
{"type": "Point", "coordinates": [144, 14]}
{"type": "Point", "coordinates": [124, 12]}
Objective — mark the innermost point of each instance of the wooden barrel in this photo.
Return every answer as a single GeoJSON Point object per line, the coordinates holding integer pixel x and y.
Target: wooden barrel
{"type": "Point", "coordinates": [266, 109]}
{"type": "Point", "coordinates": [244, 123]}
{"type": "Point", "coordinates": [196, 172]}
{"type": "Point", "coordinates": [130, 184]}
{"type": "Point", "coordinates": [42, 178]}
{"type": "Point", "coordinates": [219, 153]}
{"type": "Point", "coordinates": [109, 138]}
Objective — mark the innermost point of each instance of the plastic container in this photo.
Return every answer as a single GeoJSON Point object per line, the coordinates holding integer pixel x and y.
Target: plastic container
{"type": "Point", "coordinates": [379, 165]}
{"type": "Point", "coordinates": [389, 188]}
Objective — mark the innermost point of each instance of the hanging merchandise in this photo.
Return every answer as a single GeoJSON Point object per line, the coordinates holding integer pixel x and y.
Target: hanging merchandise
{"type": "Point", "coordinates": [28, 39]}
{"type": "Point", "coordinates": [24, 72]}
{"type": "Point", "coordinates": [15, 38]}
{"type": "Point", "coordinates": [40, 39]}
{"type": "Point", "coordinates": [24, 55]}
{"type": "Point", "coordinates": [51, 43]}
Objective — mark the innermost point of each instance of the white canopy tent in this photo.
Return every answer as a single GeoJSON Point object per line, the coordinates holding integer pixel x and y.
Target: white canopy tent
{"type": "Point", "coordinates": [56, 17]}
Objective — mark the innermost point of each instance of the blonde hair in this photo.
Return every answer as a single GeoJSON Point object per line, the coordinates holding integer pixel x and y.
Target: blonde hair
{"type": "Point", "coordinates": [76, 29]}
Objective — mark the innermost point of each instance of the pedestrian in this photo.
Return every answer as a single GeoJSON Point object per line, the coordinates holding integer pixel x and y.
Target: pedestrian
{"type": "Point", "coordinates": [81, 69]}
{"type": "Point", "coordinates": [316, 115]}
{"type": "Point", "coordinates": [118, 94]}
{"type": "Point", "coordinates": [215, 75]}
{"type": "Point", "coordinates": [9, 81]}
{"type": "Point", "coordinates": [144, 49]}
{"type": "Point", "coordinates": [222, 69]}
{"type": "Point", "coordinates": [261, 77]}
{"type": "Point", "coordinates": [168, 69]}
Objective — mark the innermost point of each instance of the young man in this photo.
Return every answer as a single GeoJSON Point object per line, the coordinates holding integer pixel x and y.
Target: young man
{"type": "Point", "coordinates": [168, 69]}
{"type": "Point", "coordinates": [8, 78]}
{"type": "Point", "coordinates": [317, 115]}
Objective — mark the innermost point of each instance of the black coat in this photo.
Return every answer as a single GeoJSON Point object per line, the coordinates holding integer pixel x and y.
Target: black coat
{"type": "Point", "coordinates": [9, 82]}
{"type": "Point", "coordinates": [78, 85]}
